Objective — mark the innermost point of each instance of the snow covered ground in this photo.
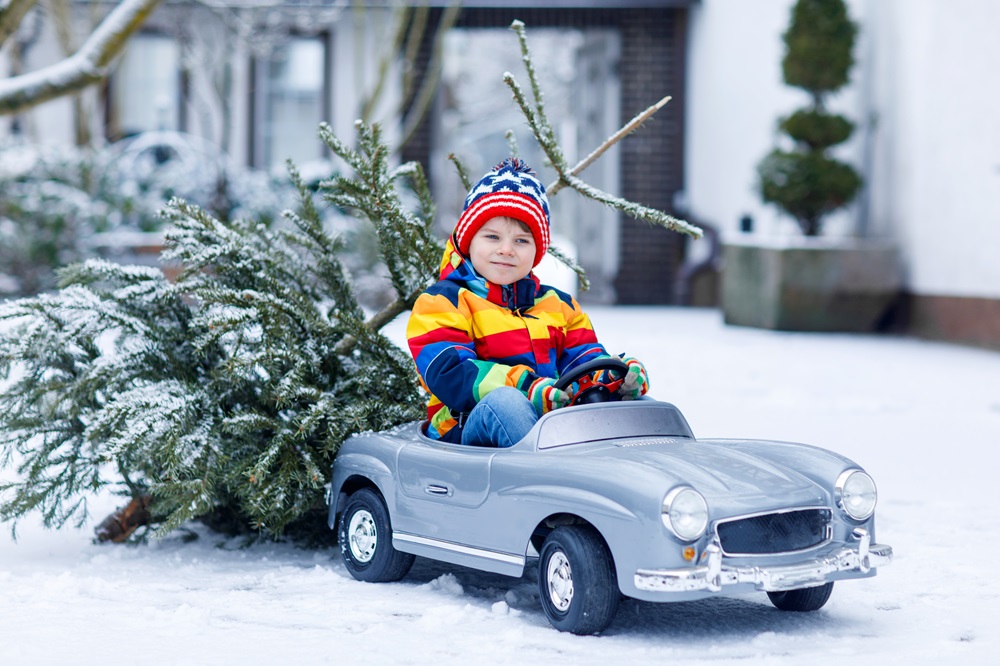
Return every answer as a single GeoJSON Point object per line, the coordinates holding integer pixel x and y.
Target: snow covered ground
{"type": "Point", "coordinates": [923, 418]}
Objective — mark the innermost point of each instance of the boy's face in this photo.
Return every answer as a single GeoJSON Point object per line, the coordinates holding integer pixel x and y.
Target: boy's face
{"type": "Point", "coordinates": [502, 251]}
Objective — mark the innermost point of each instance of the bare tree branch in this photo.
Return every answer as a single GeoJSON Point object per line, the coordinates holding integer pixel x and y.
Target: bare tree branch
{"type": "Point", "coordinates": [630, 127]}
{"type": "Point", "coordinates": [87, 66]}
{"type": "Point", "coordinates": [381, 318]}
{"type": "Point", "coordinates": [11, 13]}
{"type": "Point", "coordinates": [428, 87]}
{"type": "Point", "coordinates": [403, 15]}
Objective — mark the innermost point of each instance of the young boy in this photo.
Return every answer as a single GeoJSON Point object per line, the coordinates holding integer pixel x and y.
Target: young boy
{"type": "Point", "coordinates": [489, 340]}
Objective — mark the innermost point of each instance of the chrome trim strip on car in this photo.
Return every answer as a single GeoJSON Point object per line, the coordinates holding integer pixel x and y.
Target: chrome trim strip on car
{"type": "Point", "coordinates": [459, 548]}
{"type": "Point", "coordinates": [715, 576]}
{"type": "Point", "coordinates": [864, 548]}
{"type": "Point", "coordinates": [826, 540]}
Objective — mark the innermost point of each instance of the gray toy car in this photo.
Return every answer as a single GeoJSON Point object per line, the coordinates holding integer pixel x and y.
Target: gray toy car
{"type": "Point", "coordinates": [611, 498]}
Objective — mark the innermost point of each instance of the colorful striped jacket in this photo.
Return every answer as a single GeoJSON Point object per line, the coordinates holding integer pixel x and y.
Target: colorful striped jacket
{"type": "Point", "coordinates": [469, 336]}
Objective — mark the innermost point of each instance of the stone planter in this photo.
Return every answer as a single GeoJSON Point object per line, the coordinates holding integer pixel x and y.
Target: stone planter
{"type": "Point", "coordinates": [809, 284]}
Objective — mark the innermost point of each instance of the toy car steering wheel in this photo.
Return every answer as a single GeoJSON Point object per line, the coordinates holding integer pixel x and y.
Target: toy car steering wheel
{"type": "Point", "coordinates": [590, 390]}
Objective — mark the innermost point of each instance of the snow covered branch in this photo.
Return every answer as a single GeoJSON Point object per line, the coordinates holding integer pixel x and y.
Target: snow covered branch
{"type": "Point", "coordinates": [87, 66]}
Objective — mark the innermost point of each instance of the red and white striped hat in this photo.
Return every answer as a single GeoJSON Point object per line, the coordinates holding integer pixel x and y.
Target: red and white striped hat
{"type": "Point", "coordinates": [509, 190]}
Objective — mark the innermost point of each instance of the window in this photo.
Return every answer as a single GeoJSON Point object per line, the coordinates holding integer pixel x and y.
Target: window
{"type": "Point", "coordinates": [289, 103]}
{"type": "Point", "coordinates": [146, 88]}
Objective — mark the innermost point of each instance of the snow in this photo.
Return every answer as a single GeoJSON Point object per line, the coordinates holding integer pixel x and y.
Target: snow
{"type": "Point", "coordinates": [922, 417]}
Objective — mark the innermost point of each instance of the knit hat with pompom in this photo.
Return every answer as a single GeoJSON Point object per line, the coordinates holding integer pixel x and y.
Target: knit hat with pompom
{"type": "Point", "coordinates": [509, 190]}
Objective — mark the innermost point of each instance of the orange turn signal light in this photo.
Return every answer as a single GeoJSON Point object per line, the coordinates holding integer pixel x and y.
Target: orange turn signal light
{"type": "Point", "coordinates": [689, 554]}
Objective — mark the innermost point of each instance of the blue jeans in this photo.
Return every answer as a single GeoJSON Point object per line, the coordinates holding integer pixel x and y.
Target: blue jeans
{"type": "Point", "coordinates": [502, 419]}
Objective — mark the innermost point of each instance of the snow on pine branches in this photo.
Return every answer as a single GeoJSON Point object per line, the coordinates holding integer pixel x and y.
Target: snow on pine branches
{"type": "Point", "coordinates": [224, 395]}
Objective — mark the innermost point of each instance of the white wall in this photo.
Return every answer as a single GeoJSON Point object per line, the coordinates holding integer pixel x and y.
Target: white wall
{"type": "Point", "coordinates": [358, 41]}
{"type": "Point", "coordinates": [924, 95]}
{"type": "Point", "coordinates": [938, 155]}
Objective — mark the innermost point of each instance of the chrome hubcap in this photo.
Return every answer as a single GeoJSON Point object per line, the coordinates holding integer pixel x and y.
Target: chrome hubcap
{"type": "Point", "coordinates": [559, 575]}
{"type": "Point", "coordinates": [363, 536]}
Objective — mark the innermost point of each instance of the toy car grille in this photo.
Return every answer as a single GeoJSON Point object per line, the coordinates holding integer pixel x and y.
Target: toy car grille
{"type": "Point", "coordinates": [783, 532]}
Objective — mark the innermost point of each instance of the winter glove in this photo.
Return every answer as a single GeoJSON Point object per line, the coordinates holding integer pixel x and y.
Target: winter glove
{"type": "Point", "coordinates": [545, 397]}
{"type": "Point", "coordinates": [636, 381]}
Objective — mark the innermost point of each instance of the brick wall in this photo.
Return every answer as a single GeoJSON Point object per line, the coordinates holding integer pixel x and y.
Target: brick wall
{"type": "Point", "coordinates": [652, 157]}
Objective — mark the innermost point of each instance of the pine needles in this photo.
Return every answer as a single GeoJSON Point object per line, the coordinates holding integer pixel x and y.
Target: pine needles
{"type": "Point", "coordinates": [228, 393]}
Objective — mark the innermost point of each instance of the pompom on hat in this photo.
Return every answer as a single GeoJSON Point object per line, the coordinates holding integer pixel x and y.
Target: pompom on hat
{"type": "Point", "coordinates": [509, 190]}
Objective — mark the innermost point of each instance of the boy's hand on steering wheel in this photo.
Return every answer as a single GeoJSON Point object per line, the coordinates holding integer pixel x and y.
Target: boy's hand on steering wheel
{"type": "Point", "coordinates": [545, 397]}
{"type": "Point", "coordinates": [636, 381]}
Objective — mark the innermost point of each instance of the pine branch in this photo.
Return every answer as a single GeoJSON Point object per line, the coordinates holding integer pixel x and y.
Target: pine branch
{"type": "Point", "coordinates": [75, 406]}
{"type": "Point", "coordinates": [632, 209]}
{"type": "Point", "coordinates": [581, 275]}
{"type": "Point", "coordinates": [546, 136]}
{"type": "Point", "coordinates": [539, 126]}
{"type": "Point", "coordinates": [463, 172]}
{"type": "Point", "coordinates": [512, 143]}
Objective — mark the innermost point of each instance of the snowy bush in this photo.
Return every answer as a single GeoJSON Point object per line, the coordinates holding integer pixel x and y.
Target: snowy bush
{"type": "Point", "coordinates": [62, 204]}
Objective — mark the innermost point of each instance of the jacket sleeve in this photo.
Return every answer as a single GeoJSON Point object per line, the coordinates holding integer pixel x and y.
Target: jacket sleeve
{"type": "Point", "coordinates": [581, 345]}
{"type": "Point", "coordinates": [439, 334]}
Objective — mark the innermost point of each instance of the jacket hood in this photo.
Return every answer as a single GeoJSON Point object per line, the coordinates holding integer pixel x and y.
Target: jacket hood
{"type": "Point", "coordinates": [455, 267]}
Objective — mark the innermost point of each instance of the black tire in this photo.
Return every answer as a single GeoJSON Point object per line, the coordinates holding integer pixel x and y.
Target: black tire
{"type": "Point", "coordinates": [801, 601]}
{"type": "Point", "coordinates": [577, 583]}
{"type": "Point", "coordinates": [365, 536]}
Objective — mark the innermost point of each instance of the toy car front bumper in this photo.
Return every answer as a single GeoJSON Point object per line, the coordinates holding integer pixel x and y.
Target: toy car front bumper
{"type": "Point", "coordinates": [714, 576]}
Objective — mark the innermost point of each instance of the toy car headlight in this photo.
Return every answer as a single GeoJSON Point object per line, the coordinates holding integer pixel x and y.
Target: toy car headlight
{"type": "Point", "coordinates": [856, 494]}
{"type": "Point", "coordinates": [685, 513]}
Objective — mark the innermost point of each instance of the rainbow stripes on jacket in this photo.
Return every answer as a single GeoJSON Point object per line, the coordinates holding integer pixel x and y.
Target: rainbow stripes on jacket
{"type": "Point", "coordinates": [469, 336]}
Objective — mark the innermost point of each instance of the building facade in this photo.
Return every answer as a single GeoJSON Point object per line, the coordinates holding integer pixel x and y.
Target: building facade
{"type": "Point", "coordinates": [927, 143]}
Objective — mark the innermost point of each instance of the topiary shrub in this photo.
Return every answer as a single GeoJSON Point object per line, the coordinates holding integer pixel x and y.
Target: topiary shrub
{"type": "Point", "coordinates": [805, 181]}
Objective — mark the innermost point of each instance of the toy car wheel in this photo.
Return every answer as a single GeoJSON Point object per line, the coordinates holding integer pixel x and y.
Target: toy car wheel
{"type": "Point", "coordinates": [365, 537]}
{"type": "Point", "coordinates": [804, 600]}
{"type": "Point", "coordinates": [577, 581]}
